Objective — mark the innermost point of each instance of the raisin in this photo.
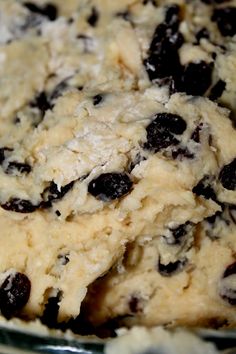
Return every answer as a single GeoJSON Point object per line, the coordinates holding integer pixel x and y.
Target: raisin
{"type": "Point", "coordinates": [14, 294]}
{"type": "Point", "coordinates": [225, 19]}
{"type": "Point", "coordinates": [203, 188]}
{"type": "Point", "coordinates": [195, 79]}
{"type": "Point", "coordinates": [227, 176]}
{"type": "Point", "coordinates": [97, 99]}
{"type": "Point", "coordinates": [172, 16]}
{"type": "Point", "coordinates": [160, 131]}
{"type": "Point", "coordinates": [41, 102]}
{"type": "Point", "coordinates": [19, 206]}
{"type": "Point", "coordinates": [18, 166]}
{"type": "Point", "coordinates": [52, 193]}
{"type": "Point", "coordinates": [217, 90]}
{"type": "Point", "coordinates": [181, 153]}
{"type": "Point", "coordinates": [179, 232]}
{"type": "Point", "coordinates": [196, 133]}
{"type": "Point", "coordinates": [49, 317]}
{"type": "Point", "coordinates": [229, 294]}
{"type": "Point", "coordinates": [49, 10]}
{"type": "Point", "coordinates": [169, 269]}
{"type": "Point", "coordinates": [163, 59]}
{"type": "Point", "coordinates": [134, 304]}
{"type": "Point", "coordinates": [93, 17]}
{"type": "Point", "coordinates": [3, 151]}
{"type": "Point", "coordinates": [110, 186]}
{"type": "Point", "coordinates": [202, 33]}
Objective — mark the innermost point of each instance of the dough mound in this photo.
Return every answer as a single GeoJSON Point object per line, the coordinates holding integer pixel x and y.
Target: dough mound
{"type": "Point", "coordinates": [118, 162]}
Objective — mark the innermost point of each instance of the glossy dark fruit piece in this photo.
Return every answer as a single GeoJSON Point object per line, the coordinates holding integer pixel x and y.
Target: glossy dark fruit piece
{"type": "Point", "coordinates": [204, 189]}
{"type": "Point", "coordinates": [172, 16]}
{"type": "Point", "coordinates": [167, 270]}
{"type": "Point", "coordinates": [229, 294]}
{"type": "Point", "coordinates": [179, 232]}
{"type": "Point", "coordinates": [52, 193]}
{"type": "Point", "coordinates": [110, 186]}
{"type": "Point", "coordinates": [93, 17]}
{"type": "Point", "coordinates": [14, 294]}
{"type": "Point", "coordinates": [195, 79]}
{"type": "Point", "coordinates": [163, 58]}
{"type": "Point", "coordinates": [3, 152]}
{"type": "Point", "coordinates": [20, 167]}
{"type": "Point", "coordinates": [48, 10]}
{"type": "Point", "coordinates": [97, 99]}
{"type": "Point", "coordinates": [41, 102]}
{"type": "Point", "coordinates": [217, 90]}
{"type": "Point", "coordinates": [202, 33]}
{"type": "Point", "coordinates": [49, 317]}
{"type": "Point", "coordinates": [19, 206]}
{"type": "Point", "coordinates": [182, 153]}
{"type": "Point", "coordinates": [196, 133]}
{"type": "Point", "coordinates": [225, 19]}
{"type": "Point", "coordinates": [160, 131]}
{"type": "Point", "coordinates": [227, 176]}
{"type": "Point", "coordinates": [231, 269]}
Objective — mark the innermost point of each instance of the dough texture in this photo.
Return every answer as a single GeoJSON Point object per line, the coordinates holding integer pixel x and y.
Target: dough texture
{"type": "Point", "coordinates": [118, 162]}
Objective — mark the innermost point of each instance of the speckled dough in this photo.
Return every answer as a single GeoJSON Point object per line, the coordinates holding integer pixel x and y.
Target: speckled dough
{"type": "Point", "coordinates": [117, 170]}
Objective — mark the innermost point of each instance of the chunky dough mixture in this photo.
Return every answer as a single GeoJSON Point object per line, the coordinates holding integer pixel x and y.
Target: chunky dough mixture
{"type": "Point", "coordinates": [118, 162]}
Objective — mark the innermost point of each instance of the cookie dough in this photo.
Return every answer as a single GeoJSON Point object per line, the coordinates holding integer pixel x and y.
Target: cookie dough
{"type": "Point", "coordinates": [116, 164]}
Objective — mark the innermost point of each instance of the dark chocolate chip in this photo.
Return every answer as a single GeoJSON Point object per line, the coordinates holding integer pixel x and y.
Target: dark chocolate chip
{"type": "Point", "coordinates": [202, 33]}
{"type": "Point", "coordinates": [203, 188]}
{"type": "Point", "coordinates": [17, 120]}
{"type": "Point", "coordinates": [195, 79]}
{"type": "Point", "coordinates": [3, 152]}
{"type": "Point", "coordinates": [41, 102]}
{"type": "Point", "coordinates": [110, 186]}
{"type": "Point", "coordinates": [48, 10]}
{"type": "Point", "coordinates": [97, 99]}
{"type": "Point", "coordinates": [50, 314]}
{"type": "Point", "coordinates": [225, 19]}
{"type": "Point", "coordinates": [227, 176]}
{"type": "Point", "coordinates": [196, 133]}
{"type": "Point", "coordinates": [20, 167]}
{"type": "Point", "coordinates": [160, 131]}
{"type": "Point", "coordinates": [217, 90]}
{"type": "Point", "coordinates": [52, 193]}
{"type": "Point", "coordinates": [181, 153]}
{"type": "Point", "coordinates": [93, 17]}
{"type": "Point", "coordinates": [167, 270]}
{"type": "Point", "coordinates": [19, 206]}
{"type": "Point", "coordinates": [58, 213]}
{"type": "Point", "coordinates": [14, 294]}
